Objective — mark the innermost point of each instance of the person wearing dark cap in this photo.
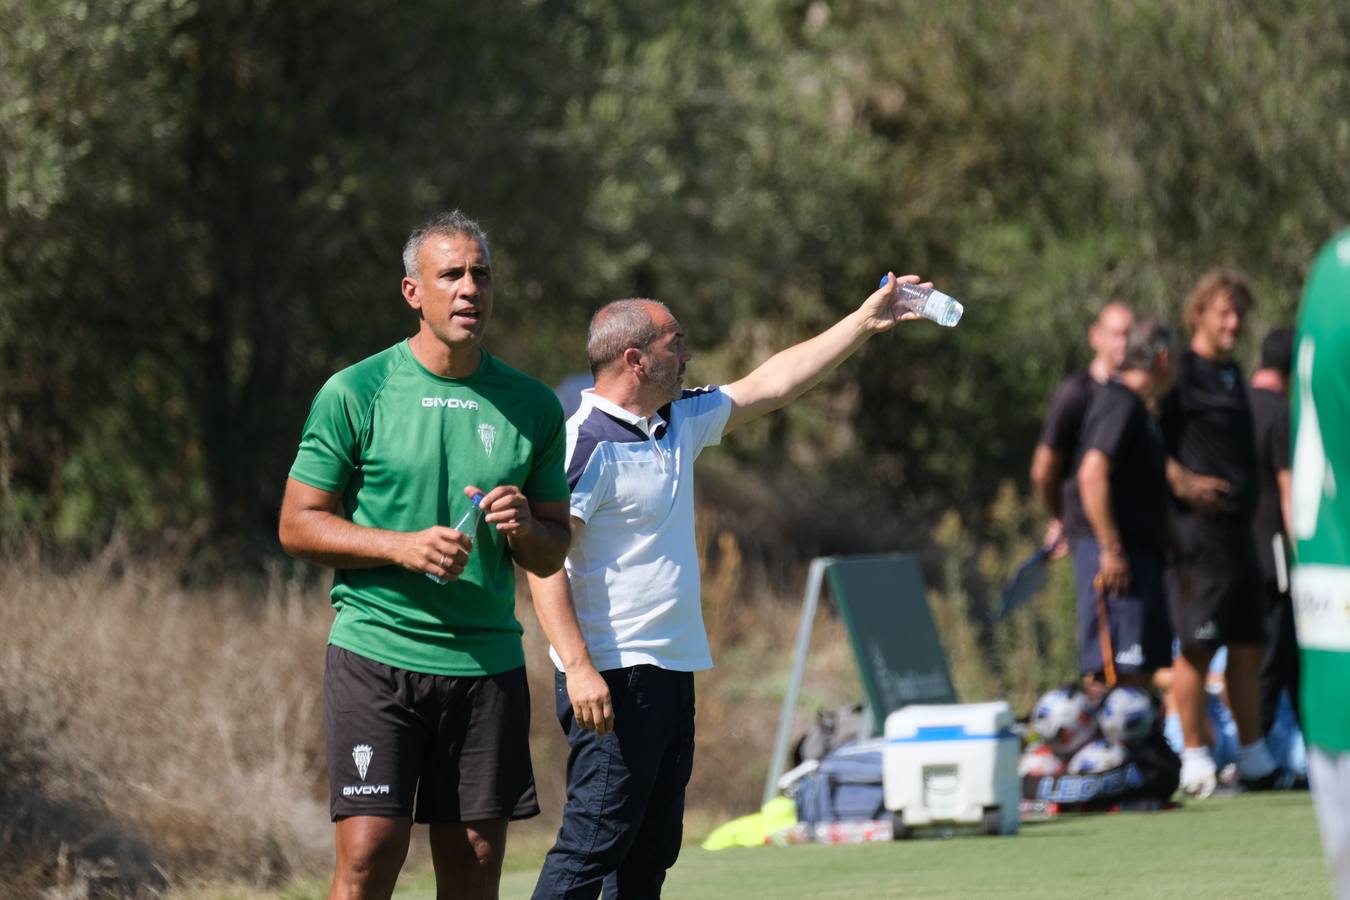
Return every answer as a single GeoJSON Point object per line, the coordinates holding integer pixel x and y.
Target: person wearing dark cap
{"type": "Point", "coordinates": [1123, 484]}
{"type": "Point", "coordinates": [1269, 397]}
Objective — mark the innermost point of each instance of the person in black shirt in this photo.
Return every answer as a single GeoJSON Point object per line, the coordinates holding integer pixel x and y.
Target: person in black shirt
{"type": "Point", "coordinates": [1123, 483]}
{"type": "Point", "coordinates": [1269, 397]}
{"type": "Point", "coordinates": [1213, 581]}
{"type": "Point", "coordinates": [1054, 464]}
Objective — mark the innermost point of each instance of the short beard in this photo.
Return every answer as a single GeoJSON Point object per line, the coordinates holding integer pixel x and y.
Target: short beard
{"type": "Point", "coordinates": [669, 379]}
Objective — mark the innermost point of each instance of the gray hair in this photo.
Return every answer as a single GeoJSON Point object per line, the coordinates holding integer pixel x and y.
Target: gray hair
{"type": "Point", "coordinates": [1147, 338]}
{"type": "Point", "coordinates": [617, 326]}
{"type": "Point", "coordinates": [448, 223]}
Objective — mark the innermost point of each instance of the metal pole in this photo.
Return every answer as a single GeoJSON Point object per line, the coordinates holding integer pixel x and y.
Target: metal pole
{"type": "Point", "coordinates": [778, 763]}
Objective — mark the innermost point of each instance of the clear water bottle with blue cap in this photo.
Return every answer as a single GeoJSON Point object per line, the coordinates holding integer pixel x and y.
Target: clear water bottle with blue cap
{"type": "Point", "coordinates": [467, 524]}
{"type": "Point", "coordinates": [928, 302]}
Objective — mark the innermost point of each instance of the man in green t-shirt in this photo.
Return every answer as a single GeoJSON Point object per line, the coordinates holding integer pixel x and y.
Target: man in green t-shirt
{"type": "Point", "coordinates": [1321, 524]}
{"type": "Point", "coordinates": [426, 703]}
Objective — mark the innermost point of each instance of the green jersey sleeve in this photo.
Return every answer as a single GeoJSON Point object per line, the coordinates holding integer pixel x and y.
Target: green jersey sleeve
{"type": "Point", "coordinates": [329, 445]}
{"type": "Point", "coordinates": [547, 481]}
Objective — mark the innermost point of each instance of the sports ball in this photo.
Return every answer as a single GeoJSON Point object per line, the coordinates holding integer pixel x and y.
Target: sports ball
{"type": "Point", "coordinates": [1037, 761]}
{"type": "Point", "coordinates": [1096, 756]}
{"type": "Point", "coordinates": [1063, 719]}
{"type": "Point", "coordinates": [1126, 715]}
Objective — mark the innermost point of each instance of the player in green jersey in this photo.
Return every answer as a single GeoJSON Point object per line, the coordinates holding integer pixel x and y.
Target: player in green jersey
{"type": "Point", "coordinates": [427, 707]}
{"type": "Point", "coordinates": [1321, 526]}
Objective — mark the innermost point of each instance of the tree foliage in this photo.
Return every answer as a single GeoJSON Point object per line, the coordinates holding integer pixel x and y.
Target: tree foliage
{"type": "Point", "coordinates": [204, 202]}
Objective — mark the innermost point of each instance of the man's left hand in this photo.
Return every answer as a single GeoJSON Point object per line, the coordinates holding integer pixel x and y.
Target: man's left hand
{"type": "Point", "coordinates": [506, 509]}
{"type": "Point", "coordinates": [883, 308]}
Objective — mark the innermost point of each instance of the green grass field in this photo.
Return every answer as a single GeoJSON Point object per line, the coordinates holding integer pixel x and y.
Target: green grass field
{"type": "Point", "coordinates": [1235, 846]}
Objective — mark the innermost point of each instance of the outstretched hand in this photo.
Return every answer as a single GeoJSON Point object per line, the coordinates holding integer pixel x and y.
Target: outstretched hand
{"type": "Point", "coordinates": [884, 307]}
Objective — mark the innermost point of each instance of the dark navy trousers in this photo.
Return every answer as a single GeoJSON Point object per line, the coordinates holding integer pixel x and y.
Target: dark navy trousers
{"type": "Point", "coordinates": [624, 816]}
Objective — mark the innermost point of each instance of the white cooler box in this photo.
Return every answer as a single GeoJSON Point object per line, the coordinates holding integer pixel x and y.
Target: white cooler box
{"type": "Point", "coordinates": [952, 765]}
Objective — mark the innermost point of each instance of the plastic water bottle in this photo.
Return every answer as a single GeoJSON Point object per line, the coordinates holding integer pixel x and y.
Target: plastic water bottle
{"type": "Point", "coordinates": [929, 302]}
{"type": "Point", "coordinates": [467, 524]}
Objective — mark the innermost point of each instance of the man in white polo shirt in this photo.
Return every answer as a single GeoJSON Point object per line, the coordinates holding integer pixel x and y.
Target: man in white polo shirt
{"type": "Point", "coordinates": [625, 619]}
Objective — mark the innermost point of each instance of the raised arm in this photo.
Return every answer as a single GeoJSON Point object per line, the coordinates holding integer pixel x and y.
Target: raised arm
{"type": "Point", "coordinates": [312, 528]}
{"type": "Point", "coordinates": [788, 374]}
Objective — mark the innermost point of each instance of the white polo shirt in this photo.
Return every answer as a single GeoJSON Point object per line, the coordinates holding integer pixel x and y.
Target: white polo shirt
{"type": "Point", "coordinates": [634, 569]}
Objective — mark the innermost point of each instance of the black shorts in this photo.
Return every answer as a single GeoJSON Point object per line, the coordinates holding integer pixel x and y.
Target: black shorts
{"type": "Point", "coordinates": [1141, 636]}
{"type": "Point", "coordinates": [1214, 585]}
{"type": "Point", "coordinates": [458, 744]}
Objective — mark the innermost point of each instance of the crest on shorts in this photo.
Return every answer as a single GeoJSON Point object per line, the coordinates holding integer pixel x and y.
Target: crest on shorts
{"type": "Point", "coordinates": [361, 754]}
{"type": "Point", "coordinates": [488, 436]}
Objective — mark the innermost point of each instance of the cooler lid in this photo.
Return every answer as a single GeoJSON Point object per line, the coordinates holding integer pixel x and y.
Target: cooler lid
{"type": "Point", "coordinates": [950, 722]}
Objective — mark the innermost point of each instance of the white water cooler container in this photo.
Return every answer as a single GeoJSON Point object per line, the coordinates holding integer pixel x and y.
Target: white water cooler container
{"type": "Point", "coordinates": [952, 766]}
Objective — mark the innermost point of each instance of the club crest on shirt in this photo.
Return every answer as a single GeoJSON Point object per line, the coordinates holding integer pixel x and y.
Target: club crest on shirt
{"type": "Point", "coordinates": [487, 435]}
{"type": "Point", "coordinates": [1229, 379]}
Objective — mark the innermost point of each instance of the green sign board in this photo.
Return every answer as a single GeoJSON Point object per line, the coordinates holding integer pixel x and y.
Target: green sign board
{"type": "Point", "coordinates": [895, 642]}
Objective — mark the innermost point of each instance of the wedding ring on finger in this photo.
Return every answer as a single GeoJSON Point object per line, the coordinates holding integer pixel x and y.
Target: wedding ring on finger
{"type": "Point", "coordinates": [442, 562]}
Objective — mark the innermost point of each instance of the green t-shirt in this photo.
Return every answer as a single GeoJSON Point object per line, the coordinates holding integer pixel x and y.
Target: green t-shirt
{"type": "Point", "coordinates": [400, 444]}
{"type": "Point", "coordinates": [1321, 496]}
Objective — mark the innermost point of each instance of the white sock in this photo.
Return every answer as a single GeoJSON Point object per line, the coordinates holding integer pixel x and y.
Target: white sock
{"type": "Point", "coordinates": [1196, 763]}
{"type": "Point", "coordinates": [1254, 760]}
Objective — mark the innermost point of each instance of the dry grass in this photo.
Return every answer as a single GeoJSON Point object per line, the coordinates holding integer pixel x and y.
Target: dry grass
{"type": "Point", "coordinates": [155, 735]}
{"type": "Point", "coordinates": [150, 732]}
